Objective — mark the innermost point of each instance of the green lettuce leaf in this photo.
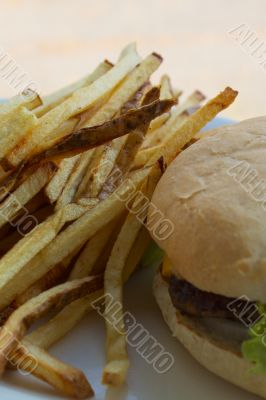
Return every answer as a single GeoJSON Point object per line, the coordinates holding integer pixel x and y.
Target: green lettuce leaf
{"type": "Point", "coordinates": [153, 255]}
{"type": "Point", "coordinates": [254, 349]}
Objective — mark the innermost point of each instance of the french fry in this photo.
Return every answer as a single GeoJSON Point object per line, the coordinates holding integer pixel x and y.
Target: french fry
{"type": "Point", "coordinates": [19, 268]}
{"type": "Point", "coordinates": [179, 138]}
{"type": "Point", "coordinates": [81, 100]}
{"type": "Point", "coordinates": [115, 371]}
{"type": "Point", "coordinates": [157, 136]}
{"type": "Point", "coordinates": [56, 328]}
{"type": "Point", "coordinates": [54, 277]}
{"type": "Point", "coordinates": [91, 252]}
{"type": "Point", "coordinates": [60, 178]}
{"type": "Point", "coordinates": [69, 381]}
{"type": "Point", "coordinates": [74, 180]}
{"type": "Point", "coordinates": [28, 99]}
{"type": "Point", "coordinates": [25, 192]}
{"type": "Point", "coordinates": [140, 74]}
{"type": "Point", "coordinates": [130, 146]}
{"type": "Point", "coordinates": [136, 100]}
{"type": "Point", "coordinates": [137, 252]}
{"type": "Point", "coordinates": [166, 90]}
{"type": "Point", "coordinates": [63, 130]}
{"type": "Point", "coordinates": [10, 182]}
{"type": "Point", "coordinates": [177, 117]}
{"type": "Point", "coordinates": [13, 127]}
{"type": "Point", "coordinates": [91, 172]}
{"type": "Point", "coordinates": [27, 248]}
{"type": "Point", "coordinates": [87, 138]}
{"type": "Point", "coordinates": [57, 297]}
{"type": "Point", "coordinates": [54, 99]}
{"type": "Point", "coordinates": [123, 161]}
{"type": "Point", "coordinates": [192, 101]}
{"type": "Point", "coordinates": [11, 238]}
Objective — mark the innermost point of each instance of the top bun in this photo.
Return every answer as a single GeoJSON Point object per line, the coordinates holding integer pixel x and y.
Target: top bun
{"type": "Point", "coordinates": [214, 193]}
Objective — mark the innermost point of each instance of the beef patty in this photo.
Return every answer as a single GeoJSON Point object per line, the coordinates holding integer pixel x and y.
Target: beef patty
{"type": "Point", "coordinates": [193, 301]}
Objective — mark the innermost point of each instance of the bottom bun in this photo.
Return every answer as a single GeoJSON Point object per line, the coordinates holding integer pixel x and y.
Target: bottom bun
{"type": "Point", "coordinates": [220, 356]}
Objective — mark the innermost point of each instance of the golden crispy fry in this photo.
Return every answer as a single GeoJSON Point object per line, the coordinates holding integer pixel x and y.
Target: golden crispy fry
{"type": "Point", "coordinates": [91, 252]}
{"type": "Point", "coordinates": [157, 136]}
{"type": "Point", "coordinates": [57, 297]}
{"type": "Point", "coordinates": [177, 117]}
{"type": "Point", "coordinates": [54, 277]}
{"type": "Point", "coordinates": [126, 89]}
{"type": "Point", "coordinates": [121, 95]}
{"type": "Point", "coordinates": [81, 100]}
{"type": "Point", "coordinates": [179, 138]}
{"type": "Point", "coordinates": [138, 249]}
{"type": "Point", "coordinates": [88, 202]}
{"type": "Point", "coordinates": [89, 176]}
{"type": "Point", "coordinates": [27, 248]}
{"type": "Point", "coordinates": [28, 99]}
{"type": "Point", "coordinates": [60, 178]}
{"type": "Point", "coordinates": [124, 161]}
{"type": "Point", "coordinates": [25, 192]}
{"type": "Point", "coordinates": [25, 269]}
{"type": "Point", "coordinates": [117, 359]}
{"type": "Point", "coordinates": [69, 381]}
{"type": "Point", "coordinates": [74, 180]}
{"type": "Point", "coordinates": [63, 130]}
{"type": "Point", "coordinates": [166, 90]}
{"type": "Point", "coordinates": [54, 99]}
{"type": "Point", "coordinates": [56, 328]}
{"type": "Point", "coordinates": [192, 101]}
{"type": "Point", "coordinates": [13, 127]}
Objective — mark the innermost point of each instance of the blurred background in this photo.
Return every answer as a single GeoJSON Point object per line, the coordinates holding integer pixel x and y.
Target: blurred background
{"type": "Point", "coordinates": [206, 44]}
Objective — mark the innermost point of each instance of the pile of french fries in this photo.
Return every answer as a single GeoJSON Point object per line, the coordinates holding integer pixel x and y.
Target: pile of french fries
{"type": "Point", "coordinates": [67, 236]}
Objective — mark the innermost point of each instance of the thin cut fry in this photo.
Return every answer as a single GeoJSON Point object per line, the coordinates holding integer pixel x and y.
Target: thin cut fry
{"type": "Point", "coordinates": [52, 100]}
{"type": "Point", "coordinates": [89, 176]}
{"type": "Point", "coordinates": [87, 138]}
{"type": "Point", "coordinates": [19, 270]}
{"type": "Point", "coordinates": [25, 192]}
{"type": "Point", "coordinates": [140, 246]}
{"type": "Point", "coordinates": [74, 180]}
{"type": "Point", "coordinates": [28, 99]}
{"type": "Point", "coordinates": [174, 143]}
{"type": "Point", "coordinates": [124, 161]}
{"type": "Point", "coordinates": [93, 249]}
{"type": "Point", "coordinates": [14, 126]}
{"type": "Point", "coordinates": [57, 183]}
{"type": "Point", "coordinates": [56, 328]}
{"type": "Point", "coordinates": [80, 101]}
{"type": "Point", "coordinates": [57, 297]}
{"type": "Point", "coordinates": [177, 117]}
{"type": "Point", "coordinates": [117, 359]}
{"type": "Point", "coordinates": [26, 249]}
{"type": "Point", "coordinates": [126, 89]}
{"type": "Point", "coordinates": [166, 90]}
{"type": "Point", "coordinates": [54, 277]}
{"type": "Point", "coordinates": [70, 381]}
{"type": "Point", "coordinates": [140, 74]}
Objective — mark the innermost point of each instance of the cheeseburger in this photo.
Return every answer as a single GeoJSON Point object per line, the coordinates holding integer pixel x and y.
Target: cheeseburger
{"type": "Point", "coordinates": [211, 285]}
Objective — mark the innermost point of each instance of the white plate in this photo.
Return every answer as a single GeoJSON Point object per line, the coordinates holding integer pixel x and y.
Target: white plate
{"type": "Point", "coordinates": [84, 348]}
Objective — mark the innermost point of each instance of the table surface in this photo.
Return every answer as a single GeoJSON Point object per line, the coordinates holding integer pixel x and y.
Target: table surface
{"type": "Point", "coordinates": [58, 41]}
